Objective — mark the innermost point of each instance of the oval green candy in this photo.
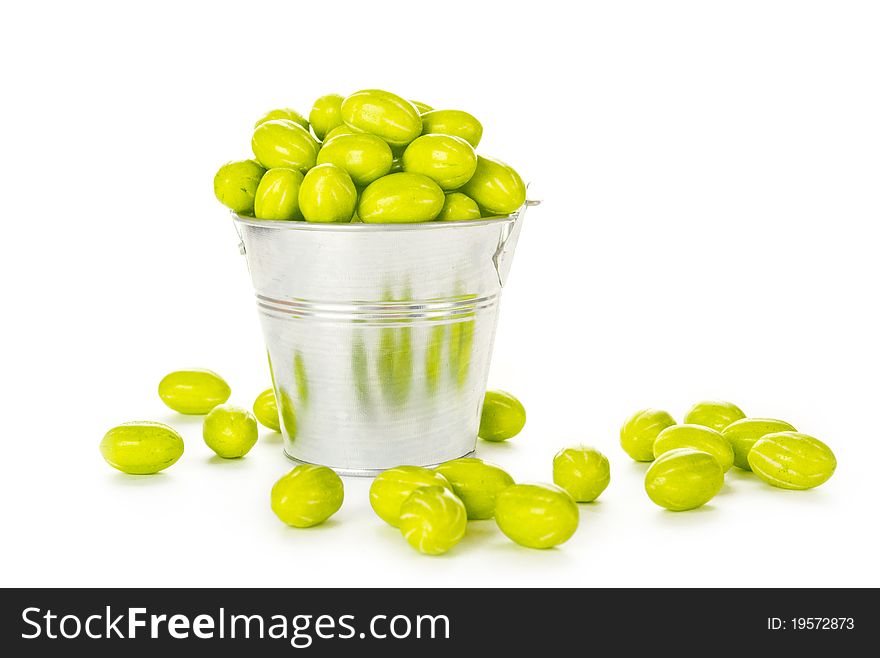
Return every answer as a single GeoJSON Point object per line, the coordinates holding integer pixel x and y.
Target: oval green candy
{"type": "Point", "coordinates": [383, 114]}
{"type": "Point", "coordinates": [582, 471]}
{"type": "Point", "coordinates": [307, 495]}
{"type": "Point", "coordinates": [792, 460]}
{"type": "Point", "coordinates": [326, 114]}
{"type": "Point", "coordinates": [401, 198]}
{"type": "Point", "coordinates": [141, 447]}
{"type": "Point", "coordinates": [447, 160]}
{"type": "Point", "coordinates": [536, 515]}
{"type": "Point", "coordinates": [683, 479]}
{"type": "Point", "coordinates": [364, 157]}
{"type": "Point", "coordinates": [236, 183]}
{"type": "Point", "coordinates": [284, 143]}
{"type": "Point", "coordinates": [639, 432]}
{"type": "Point", "coordinates": [193, 391]}
{"type": "Point", "coordinates": [496, 187]}
{"type": "Point", "coordinates": [327, 194]}
{"type": "Point", "coordinates": [278, 195]}
{"type": "Point", "coordinates": [230, 431]}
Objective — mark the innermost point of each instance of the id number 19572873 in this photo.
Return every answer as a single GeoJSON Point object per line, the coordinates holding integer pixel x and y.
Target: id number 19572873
{"type": "Point", "coordinates": [811, 624]}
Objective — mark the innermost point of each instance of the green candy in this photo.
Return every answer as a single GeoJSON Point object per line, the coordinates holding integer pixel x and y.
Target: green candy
{"type": "Point", "coordinates": [307, 495]}
{"type": "Point", "coordinates": [502, 416]}
{"type": "Point", "coordinates": [432, 520]}
{"type": "Point", "coordinates": [697, 437]}
{"type": "Point", "coordinates": [742, 435]}
{"type": "Point", "coordinates": [447, 160]}
{"type": "Point", "coordinates": [326, 114]}
{"type": "Point", "coordinates": [327, 194]}
{"type": "Point", "coordinates": [393, 486]}
{"type": "Point", "coordinates": [283, 113]}
{"type": "Point", "coordinates": [383, 114]}
{"type": "Point", "coordinates": [791, 460]}
{"type": "Point", "coordinates": [230, 431]}
{"type": "Point", "coordinates": [582, 471]}
{"type": "Point", "coordinates": [236, 183]}
{"type": "Point", "coordinates": [458, 207]}
{"type": "Point", "coordinates": [364, 157]}
{"type": "Point", "coordinates": [683, 479]}
{"type": "Point", "coordinates": [716, 414]}
{"type": "Point", "coordinates": [476, 483]}
{"type": "Point", "coordinates": [639, 432]}
{"type": "Point", "coordinates": [278, 195]}
{"type": "Point", "coordinates": [453, 122]}
{"type": "Point", "coordinates": [496, 187]}
{"type": "Point", "coordinates": [401, 198]}
{"type": "Point", "coordinates": [142, 447]}
{"type": "Point", "coordinates": [194, 391]}
{"type": "Point", "coordinates": [266, 410]}
{"type": "Point", "coordinates": [284, 143]}
{"type": "Point", "coordinates": [536, 515]}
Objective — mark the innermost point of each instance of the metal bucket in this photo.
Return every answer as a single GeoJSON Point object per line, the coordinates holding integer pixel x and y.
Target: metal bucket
{"type": "Point", "coordinates": [379, 335]}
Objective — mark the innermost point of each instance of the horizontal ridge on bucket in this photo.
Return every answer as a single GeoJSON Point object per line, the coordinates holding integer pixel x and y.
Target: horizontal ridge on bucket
{"type": "Point", "coordinates": [387, 312]}
{"type": "Point", "coordinates": [379, 336]}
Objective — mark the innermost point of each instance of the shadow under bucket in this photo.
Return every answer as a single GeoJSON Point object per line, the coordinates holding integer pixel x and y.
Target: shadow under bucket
{"type": "Point", "coordinates": [379, 335]}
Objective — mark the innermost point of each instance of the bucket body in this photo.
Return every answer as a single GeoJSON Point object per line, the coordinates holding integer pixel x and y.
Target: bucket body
{"type": "Point", "coordinates": [379, 336]}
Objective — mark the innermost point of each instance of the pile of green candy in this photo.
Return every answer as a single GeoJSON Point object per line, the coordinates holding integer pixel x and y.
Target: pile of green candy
{"type": "Point", "coordinates": [146, 447]}
{"type": "Point", "coordinates": [370, 157]}
{"type": "Point", "coordinates": [690, 460]}
{"type": "Point", "coordinates": [432, 507]}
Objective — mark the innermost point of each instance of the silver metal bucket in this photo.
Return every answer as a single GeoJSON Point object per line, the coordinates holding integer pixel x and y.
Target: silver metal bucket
{"type": "Point", "coordinates": [379, 335]}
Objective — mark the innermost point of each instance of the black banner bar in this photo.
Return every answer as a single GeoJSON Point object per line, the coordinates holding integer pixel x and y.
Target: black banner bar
{"type": "Point", "coordinates": [276, 622]}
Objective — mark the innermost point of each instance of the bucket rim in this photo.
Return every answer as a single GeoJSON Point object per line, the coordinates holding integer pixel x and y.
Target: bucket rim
{"type": "Point", "coordinates": [363, 227]}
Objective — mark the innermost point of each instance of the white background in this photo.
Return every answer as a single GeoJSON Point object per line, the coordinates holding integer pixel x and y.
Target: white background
{"type": "Point", "coordinates": [710, 179]}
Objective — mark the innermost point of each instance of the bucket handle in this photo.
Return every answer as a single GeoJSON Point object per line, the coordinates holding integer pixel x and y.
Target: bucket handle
{"type": "Point", "coordinates": [241, 249]}
{"type": "Point", "coordinates": [503, 256]}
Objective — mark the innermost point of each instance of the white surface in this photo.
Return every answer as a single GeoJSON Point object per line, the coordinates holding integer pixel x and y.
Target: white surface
{"type": "Point", "coordinates": [710, 176]}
